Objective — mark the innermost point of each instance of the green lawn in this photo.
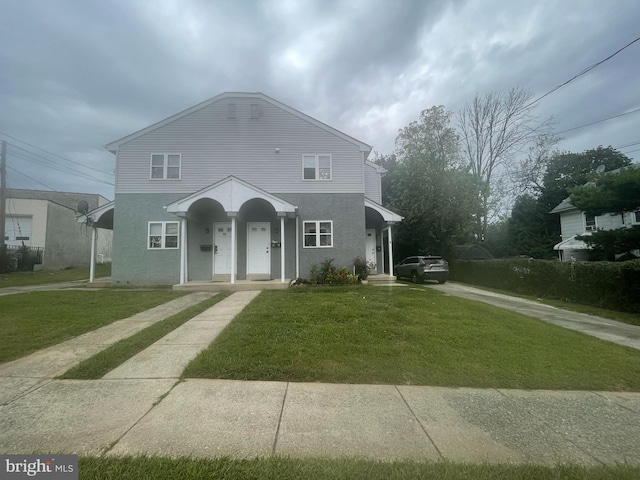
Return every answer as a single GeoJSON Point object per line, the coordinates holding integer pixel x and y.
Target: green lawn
{"type": "Point", "coordinates": [34, 320]}
{"type": "Point", "coordinates": [158, 468]}
{"type": "Point", "coordinates": [118, 353]}
{"type": "Point", "coordinates": [406, 336]}
{"type": "Point", "coordinates": [21, 279]}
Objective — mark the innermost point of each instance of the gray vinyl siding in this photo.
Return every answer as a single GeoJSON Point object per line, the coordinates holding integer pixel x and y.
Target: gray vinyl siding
{"type": "Point", "coordinates": [214, 147]}
{"type": "Point", "coordinates": [372, 185]}
{"type": "Point", "coordinates": [571, 223]}
{"type": "Point", "coordinates": [609, 221]}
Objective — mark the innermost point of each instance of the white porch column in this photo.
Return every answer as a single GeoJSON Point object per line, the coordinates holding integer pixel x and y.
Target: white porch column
{"type": "Point", "coordinates": [390, 251]}
{"type": "Point", "coordinates": [297, 246]}
{"type": "Point", "coordinates": [282, 249]}
{"type": "Point", "coordinates": [92, 265]}
{"type": "Point", "coordinates": [233, 246]}
{"type": "Point", "coordinates": [183, 251]}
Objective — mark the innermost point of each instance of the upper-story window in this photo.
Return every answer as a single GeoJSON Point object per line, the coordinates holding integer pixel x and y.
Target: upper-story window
{"type": "Point", "coordinates": [166, 166]}
{"type": "Point", "coordinates": [635, 216]}
{"type": "Point", "coordinates": [589, 223]}
{"type": "Point", "coordinates": [316, 167]}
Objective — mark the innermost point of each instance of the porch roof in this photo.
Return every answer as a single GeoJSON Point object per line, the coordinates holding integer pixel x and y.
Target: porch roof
{"type": "Point", "coordinates": [102, 217]}
{"type": "Point", "coordinates": [387, 215]}
{"type": "Point", "coordinates": [231, 193]}
{"type": "Point", "coordinates": [571, 243]}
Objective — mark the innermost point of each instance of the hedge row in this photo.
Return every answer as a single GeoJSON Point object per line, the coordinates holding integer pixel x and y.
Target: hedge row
{"type": "Point", "coordinates": [603, 284]}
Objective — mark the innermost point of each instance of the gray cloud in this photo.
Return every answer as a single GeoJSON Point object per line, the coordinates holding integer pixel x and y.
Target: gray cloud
{"type": "Point", "coordinates": [76, 75]}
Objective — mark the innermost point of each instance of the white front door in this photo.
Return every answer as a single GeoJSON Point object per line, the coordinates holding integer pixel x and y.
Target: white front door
{"type": "Point", "coordinates": [221, 248]}
{"type": "Point", "coordinates": [258, 248]}
{"type": "Point", "coordinates": [370, 246]}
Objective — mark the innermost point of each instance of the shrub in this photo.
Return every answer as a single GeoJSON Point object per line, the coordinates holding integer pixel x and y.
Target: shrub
{"type": "Point", "coordinates": [602, 284]}
{"type": "Point", "coordinates": [362, 267]}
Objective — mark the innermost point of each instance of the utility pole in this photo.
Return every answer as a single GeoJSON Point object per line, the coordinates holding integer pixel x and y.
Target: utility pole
{"type": "Point", "coordinates": [3, 201]}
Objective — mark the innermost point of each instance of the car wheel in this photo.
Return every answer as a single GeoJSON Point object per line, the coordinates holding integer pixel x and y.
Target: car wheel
{"type": "Point", "coordinates": [415, 278]}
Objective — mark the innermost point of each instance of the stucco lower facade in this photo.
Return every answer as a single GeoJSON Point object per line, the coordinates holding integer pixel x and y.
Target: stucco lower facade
{"type": "Point", "coordinates": [134, 262]}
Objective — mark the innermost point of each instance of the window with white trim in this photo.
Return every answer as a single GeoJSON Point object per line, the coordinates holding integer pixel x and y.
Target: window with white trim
{"type": "Point", "coordinates": [316, 167]}
{"type": "Point", "coordinates": [318, 234]}
{"type": "Point", "coordinates": [589, 223]}
{"type": "Point", "coordinates": [166, 166]}
{"type": "Point", "coordinates": [163, 235]}
{"type": "Point", "coordinates": [635, 217]}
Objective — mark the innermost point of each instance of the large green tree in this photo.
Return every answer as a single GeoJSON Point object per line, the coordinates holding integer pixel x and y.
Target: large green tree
{"type": "Point", "coordinates": [615, 192]}
{"type": "Point", "coordinates": [428, 186]}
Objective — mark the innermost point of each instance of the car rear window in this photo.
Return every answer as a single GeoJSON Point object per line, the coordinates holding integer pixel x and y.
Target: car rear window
{"type": "Point", "coordinates": [433, 261]}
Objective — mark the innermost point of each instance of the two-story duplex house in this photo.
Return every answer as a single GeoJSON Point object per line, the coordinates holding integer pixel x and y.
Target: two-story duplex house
{"type": "Point", "coordinates": [243, 187]}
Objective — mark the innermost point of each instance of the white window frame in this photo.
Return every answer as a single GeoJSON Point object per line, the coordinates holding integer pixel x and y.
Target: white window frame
{"type": "Point", "coordinates": [635, 217]}
{"type": "Point", "coordinates": [165, 166]}
{"type": "Point", "coordinates": [595, 224]}
{"type": "Point", "coordinates": [317, 177]}
{"type": "Point", "coordinates": [162, 245]}
{"type": "Point", "coordinates": [317, 234]}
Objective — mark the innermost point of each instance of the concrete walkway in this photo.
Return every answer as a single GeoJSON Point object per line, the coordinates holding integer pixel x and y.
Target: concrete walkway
{"type": "Point", "coordinates": [617, 332]}
{"type": "Point", "coordinates": [141, 408]}
{"type": "Point", "coordinates": [169, 356]}
{"type": "Point", "coordinates": [57, 359]}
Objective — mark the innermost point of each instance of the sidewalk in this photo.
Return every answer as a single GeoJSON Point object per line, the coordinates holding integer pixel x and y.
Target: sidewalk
{"type": "Point", "coordinates": [143, 408]}
{"type": "Point", "coordinates": [211, 418]}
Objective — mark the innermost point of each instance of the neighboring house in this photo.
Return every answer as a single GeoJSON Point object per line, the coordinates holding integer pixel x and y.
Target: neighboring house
{"type": "Point", "coordinates": [574, 222]}
{"type": "Point", "coordinates": [243, 187]}
{"type": "Point", "coordinates": [47, 220]}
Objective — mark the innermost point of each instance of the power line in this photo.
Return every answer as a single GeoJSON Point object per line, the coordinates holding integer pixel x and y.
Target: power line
{"type": "Point", "coordinates": [630, 144]}
{"type": "Point", "coordinates": [586, 70]}
{"type": "Point", "coordinates": [54, 154]}
{"type": "Point", "coordinates": [598, 121]}
{"type": "Point", "coordinates": [56, 166]}
{"type": "Point", "coordinates": [40, 183]}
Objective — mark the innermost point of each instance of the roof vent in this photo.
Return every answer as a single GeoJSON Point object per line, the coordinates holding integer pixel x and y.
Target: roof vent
{"type": "Point", "coordinates": [255, 110]}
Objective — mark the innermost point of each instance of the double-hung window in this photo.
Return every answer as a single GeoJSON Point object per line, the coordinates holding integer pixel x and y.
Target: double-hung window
{"type": "Point", "coordinates": [166, 166]}
{"type": "Point", "coordinates": [589, 223]}
{"type": "Point", "coordinates": [163, 235]}
{"type": "Point", "coordinates": [316, 167]}
{"type": "Point", "coordinates": [318, 234]}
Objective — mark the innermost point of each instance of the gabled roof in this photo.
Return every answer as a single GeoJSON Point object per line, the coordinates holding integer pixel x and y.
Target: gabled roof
{"type": "Point", "coordinates": [113, 146]}
{"type": "Point", "coordinates": [564, 206]}
{"type": "Point", "coordinates": [231, 193]}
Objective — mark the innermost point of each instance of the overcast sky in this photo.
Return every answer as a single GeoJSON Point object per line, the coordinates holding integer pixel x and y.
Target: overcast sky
{"type": "Point", "coordinates": [77, 74]}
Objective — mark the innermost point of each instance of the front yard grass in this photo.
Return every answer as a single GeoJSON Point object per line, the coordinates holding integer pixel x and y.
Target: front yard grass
{"type": "Point", "coordinates": [118, 353]}
{"type": "Point", "coordinates": [408, 336]}
{"type": "Point", "coordinates": [160, 468]}
{"type": "Point", "coordinates": [35, 320]}
{"type": "Point", "coordinates": [22, 279]}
